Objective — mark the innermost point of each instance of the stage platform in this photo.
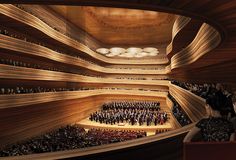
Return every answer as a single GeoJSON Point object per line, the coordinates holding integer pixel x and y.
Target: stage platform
{"type": "Point", "coordinates": [86, 123]}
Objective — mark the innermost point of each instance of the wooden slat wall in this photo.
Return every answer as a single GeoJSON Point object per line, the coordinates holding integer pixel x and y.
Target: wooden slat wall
{"type": "Point", "coordinates": [179, 24]}
{"type": "Point", "coordinates": [173, 120]}
{"type": "Point", "coordinates": [206, 40]}
{"type": "Point", "coordinates": [13, 72]}
{"type": "Point", "coordinates": [193, 105]}
{"type": "Point", "coordinates": [16, 100]}
{"type": "Point", "coordinates": [34, 50]}
{"type": "Point", "coordinates": [32, 21]}
{"type": "Point", "coordinates": [19, 123]}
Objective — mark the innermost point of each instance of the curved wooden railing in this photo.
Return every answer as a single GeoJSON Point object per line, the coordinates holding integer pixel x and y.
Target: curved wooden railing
{"type": "Point", "coordinates": [152, 142]}
{"type": "Point", "coordinates": [193, 105]}
{"type": "Point", "coordinates": [32, 21]}
{"type": "Point", "coordinates": [174, 121]}
{"type": "Point", "coordinates": [31, 49]}
{"type": "Point", "coordinates": [179, 24]}
{"type": "Point", "coordinates": [14, 72]}
{"type": "Point", "coordinates": [206, 40]}
{"type": "Point", "coordinates": [16, 100]}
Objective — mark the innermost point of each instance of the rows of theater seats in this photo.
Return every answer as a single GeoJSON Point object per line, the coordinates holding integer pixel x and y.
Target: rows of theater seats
{"type": "Point", "coordinates": [74, 38]}
{"type": "Point", "coordinates": [178, 112]}
{"type": "Point", "coordinates": [14, 35]}
{"type": "Point", "coordinates": [67, 138]}
{"type": "Point", "coordinates": [28, 90]}
{"type": "Point", "coordinates": [135, 113]}
{"type": "Point", "coordinates": [223, 94]}
{"type": "Point", "coordinates": [204, 90]}
{"type": "Point", "coordinates": [55, 69]}
{"type": "Point", "coordinates": [156, 68]}
{"type": "Point", "coordinates": [44, 67]}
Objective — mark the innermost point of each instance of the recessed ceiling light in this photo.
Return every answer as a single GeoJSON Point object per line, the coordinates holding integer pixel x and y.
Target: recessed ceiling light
{"type": "Point", "coordinates": [129, 55]}
{"type": "Point", "coordinates": [154, 53]}
{"type": "Point", "coordinates": [103, 50]}
{"type": "Point", "coordinates": [149, 49]}
{"type": "Point", "coordinates": [117, 50]}
{"type": "Point", "coordinates": [110, 55]}
{"type": "Point", "coordinates": [134, 50]}
{"type": "Point", "coordinates": [143, 53]}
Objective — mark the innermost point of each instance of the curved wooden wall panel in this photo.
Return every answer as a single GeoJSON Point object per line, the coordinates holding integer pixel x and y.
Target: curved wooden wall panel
{"type": "Point", "coordinates": [206, 40]}
{"type": "Point", "coordinates": [174, 121]}
{"type": "Point", "coordinates": [179, 24]}
{"type": "Point", "coordinates": [193, 105]}
{"type": "Point", "coordinates": [13, 72]}
{"type": "Point", "coordinates": [18, 123]}
{"type": "Point", "coordinates": [21, 46]}
{"type": "Point", "coordinates": [26, 18]}
{"type": "Point", "coordinates": [133, 148]}
{"type": "Point", "coordinates": [16, 100]}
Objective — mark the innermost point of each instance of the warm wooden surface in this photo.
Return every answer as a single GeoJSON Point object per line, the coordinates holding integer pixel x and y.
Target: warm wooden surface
{"type": "Point", "coordinates": [104, 24]}
{"type": "Point", "coordinates": [30, 49]}
{"type": "Point", "coordinates": [184, 31]}
{"type": "Point", "coordinates": [18, 123]}
{"type": "Point", "coordinates": [86, 123]}
{"type": "Point", "coordinates": [16, 100]}
{"type": "Point", "coordinates": [205, 41]}
{"type": "Point", "coordinates": [13, 72]}
{"type": "Point", "coordinates": [219, 14]}
{"type": "Point", "coordinates": [173, 120]}
{"type": "Point", "coordinates": [123, 146]}
{"type": "Point", "coordinates": [48, 32]}
{"type": "Point", "coordinates": [193, 105]}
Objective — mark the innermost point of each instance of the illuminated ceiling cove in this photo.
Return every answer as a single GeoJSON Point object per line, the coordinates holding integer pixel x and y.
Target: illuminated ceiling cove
{"type": "Point", "coordinates": [132, 52]}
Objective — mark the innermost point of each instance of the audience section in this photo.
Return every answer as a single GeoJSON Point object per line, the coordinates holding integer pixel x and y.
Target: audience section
{"type": "Point", "coordinates": [69, 137]}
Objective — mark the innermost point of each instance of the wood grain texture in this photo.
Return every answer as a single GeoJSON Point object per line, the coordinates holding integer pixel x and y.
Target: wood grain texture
{"type": "Point", "coordinates": [32, 21]}
{"type": "Point", "coordinates": [179, 24]}
{"type": "Point", "coordinates": [184, 31]}
{"type": "Point", "coordinates": [217, 13]}
{"type": "Point", "coordinates": [30, 49]}
{"type": "Point", "coordinates": [173, 120]}
{"type": "Point", "coordinates": [206, 40]}
{"type": "Point", "coordinates": [19, 123]}
{"type": "Point", "coordinates": [103, 23]}
{"type": "Point", "coordinates": [193, 105]}
{"type": "Point", "coordinates": [13, 72]}
{"type": "Point", "coordinates": [17, 100]}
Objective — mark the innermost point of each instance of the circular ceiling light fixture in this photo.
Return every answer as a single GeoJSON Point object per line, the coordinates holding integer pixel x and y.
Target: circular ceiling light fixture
{"type": "Point", "coordinates": [117, 50]}
{"type": "Point", "coordinates": [103, 50]}
{"type": "Point", "coordinates": [138, 56]}
{"type": "Point", "coordinates": [110, 55]}
{"type": "Point", "coordinates": [154, 53]}
{"type": "Point", "coordinates": [134, 50]}
{"type": "Point", "coordinates": [143, 53]}
{"type": "Point", "coordinates": [150, 49]}
{"type": "Point", "coordinates": [129, 55]}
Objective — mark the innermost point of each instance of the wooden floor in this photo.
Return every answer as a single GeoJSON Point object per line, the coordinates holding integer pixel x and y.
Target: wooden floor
{"type": "Point", "coordinates": [86, 123]}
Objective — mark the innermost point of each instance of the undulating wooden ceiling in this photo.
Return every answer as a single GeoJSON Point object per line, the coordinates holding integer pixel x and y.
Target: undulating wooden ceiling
{"type": "Point", "coordinates": [119, 26]}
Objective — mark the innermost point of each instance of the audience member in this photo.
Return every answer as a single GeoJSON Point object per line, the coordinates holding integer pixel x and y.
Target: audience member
{"type": "Point", "coordinates": [179, 114]}
{"type": "Point", "coordinates": [214, 127]}
{"type": "Point", "coordinates": [69, 137]}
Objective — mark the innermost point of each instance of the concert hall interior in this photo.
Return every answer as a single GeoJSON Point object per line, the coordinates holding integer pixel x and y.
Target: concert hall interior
{"type": "Point", "coordinates": [120, 80]}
